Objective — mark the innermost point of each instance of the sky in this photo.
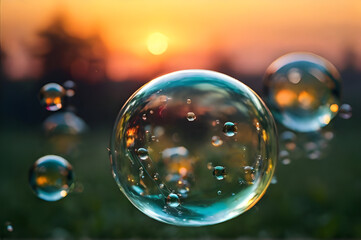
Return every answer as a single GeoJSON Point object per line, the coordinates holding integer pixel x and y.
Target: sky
{"type": "Point", "coordinates": [141, 35]}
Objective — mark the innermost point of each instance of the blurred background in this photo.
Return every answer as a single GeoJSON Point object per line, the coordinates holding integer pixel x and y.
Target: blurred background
{"type": "Point", "coordinates": [110, 49]}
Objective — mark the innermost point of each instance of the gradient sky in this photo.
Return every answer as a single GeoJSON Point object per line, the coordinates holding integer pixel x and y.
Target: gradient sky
{"type": "Point", "coordinates": [252, 33]}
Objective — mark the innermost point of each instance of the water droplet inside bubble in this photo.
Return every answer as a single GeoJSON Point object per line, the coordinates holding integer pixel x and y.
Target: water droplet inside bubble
{"type": "Point", "coordinates": [274, 180]}
{"type": "Point", "coordinates": [142, 153]}
{"type": "Point", "coordinates": [345, 111]}
{"type": "Point", "coordinates": [216, 141]}
{"type": "Point", "coordinates": [229, 129]}
{"type": "Point", "coordinates": [219, 172]}
{"type": "Point", "coordinates": [191, 116]}
{"type": "Point", "coordinates": [249, 174]}
{"type": "Point", "coordinates": [173, 200]}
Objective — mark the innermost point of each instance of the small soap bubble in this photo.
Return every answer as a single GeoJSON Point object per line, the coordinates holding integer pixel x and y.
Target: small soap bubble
{"type": "Point", "coordinates": [51, 177]}
{"type": "Point", "coordinates": [189, 101]}
{"type": "Point", "coordinates": [314, 155]}
{"type": "Point", "coordinates": [345, 111]}
{"type": "Point", "coordinates": [142, 153]}
{"type": "Point", "coordinates": [310, 146]}
{"type": "Point", "coordinates": [288, 140]}
{"type": "Point", "coordinates": [70, 88]}
{"type": "Point", "coordinates": [209, 165]}
{"type": "Point", "coordinates": [284, 154]}
{"type": "Point", "coordinates": [328, 135]}
{"type": "Point", "coordinates": [216, 141]}
{"type": "Point", "coordinates": [191, 116]}
{"type": "Point", "coordinates": [274, 180]}
{"type": "Point", "coordinates": [229, 129]}
{"type": "Point", "coordinates": [219, 172]}
{"type": "Point", "coordinates": [64, 123]}
{"type": "Point", "coordinates": [302, 91]}
{"type": "Point", "coordinates": [52, 96]}
{"type": "Point", "coordinates": [219, 192]}
{"type": "Point", "coordinates": [9, 227]}
{"type": "Point", "coordinates": [173, 200]}
{"type": "Point", "coordinates": [144, 117]}
{"type": "Point", "coordinates": [156, 176]}
{"type": "Point", "coordinates": [286, 161]}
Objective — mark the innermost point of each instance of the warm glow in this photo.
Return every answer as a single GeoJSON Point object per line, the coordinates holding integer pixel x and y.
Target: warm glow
{"type": "Point", "coordinates": [131, 132]}
{"type": "Point", "coordinates": [63, 193]}
{"type": "Point", "coordinates": [326, 119]}
{"type": "Point", "coordinates": [334, 108]}
{"type": "Point", "coordinates": [183, 171]}
{"type": "Point", "coordinates": [41, 180]}
{"type": "Point", "coordinates": [285, 97]}
{"type": "Point", "coordinates": [132, 31]}
{"type": "Point", "coordinates": [305, 99]}
{"type": "Point", "coordinates": [157, 43]}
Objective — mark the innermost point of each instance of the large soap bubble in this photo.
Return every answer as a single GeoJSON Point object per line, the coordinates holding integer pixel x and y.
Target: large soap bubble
{"type": "Point", "coordinates": [303, 91]}
{"type": "Point", "coordinates": [194, 148]}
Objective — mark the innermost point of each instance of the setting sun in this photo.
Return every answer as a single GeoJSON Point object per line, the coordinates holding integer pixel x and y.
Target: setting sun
{"type": "Point", "coordinates": [157, 43]}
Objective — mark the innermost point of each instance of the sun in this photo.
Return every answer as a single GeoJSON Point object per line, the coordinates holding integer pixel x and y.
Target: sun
{"type": "Point", "coordinates": [157, 43]}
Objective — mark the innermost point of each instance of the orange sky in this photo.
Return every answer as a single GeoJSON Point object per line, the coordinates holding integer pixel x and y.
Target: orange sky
{"type": "Point", "coordinates": [251, 33]}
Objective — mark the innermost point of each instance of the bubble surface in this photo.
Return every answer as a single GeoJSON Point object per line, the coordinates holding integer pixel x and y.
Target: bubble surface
{"type": "Point", "coordinates": [52, 96]}
{"type": "Point", "coordinates": [51, 177]}
{"type": "Point", "coordinates": [303, 91]}
{"type": "Point", "coordinates": [183, 171]}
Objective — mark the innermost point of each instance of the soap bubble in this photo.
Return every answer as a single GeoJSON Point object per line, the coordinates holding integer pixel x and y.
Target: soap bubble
{"type": "Point", "coordinates": [52, 96]}
{"type": "Point", "coordinates": [69, 86]}
{"type": "Point", "coordinates": [190, 164]}
{"type": "Point", "coordinates": [63, 130]}
{"type": "Point", "coordinates": [9, 227]}
{"type": "Point", "coordinates": [303, 91]}
{"type": "Point", "coordinates": [51, 177]}
{"type": "Point", "coordinates": [64, 123]}
{"type": "Point", "coordinates": [345, 111]}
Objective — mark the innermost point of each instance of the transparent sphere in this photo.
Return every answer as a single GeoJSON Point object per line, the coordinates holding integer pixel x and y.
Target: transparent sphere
{"type": "Point", "coordinates": [194, 148]}
{"type": "Point", "coordinates": [51, 177]}
{"type": "Point", "coordinates": [302, 91]}
{"type": "Point", "coordinates": [64, 123]}
{"type": "Point", "coordinates": [52, 96]}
